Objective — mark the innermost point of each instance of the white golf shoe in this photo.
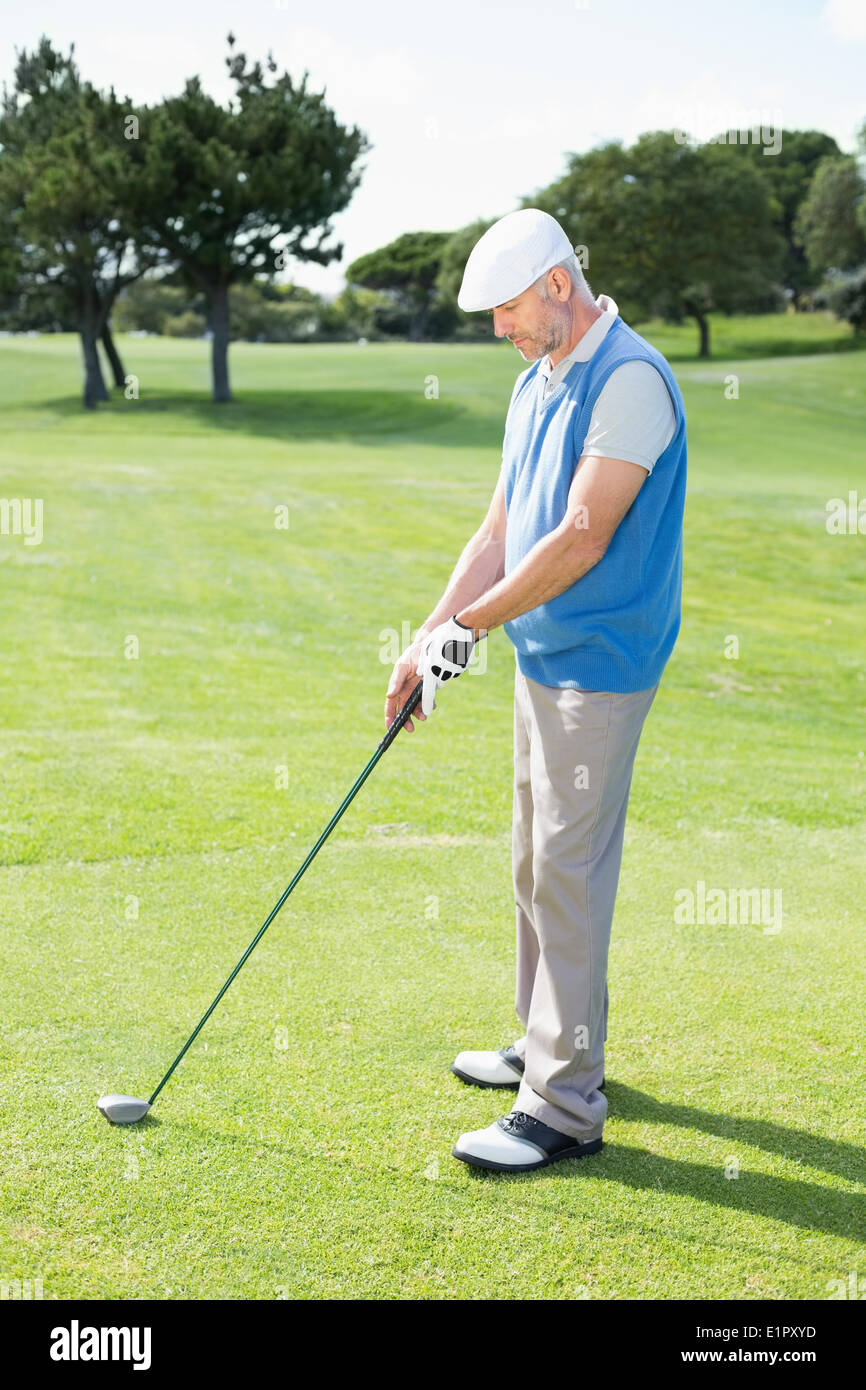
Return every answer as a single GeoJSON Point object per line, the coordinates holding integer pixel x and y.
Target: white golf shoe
{"type": "Point", "coordinates": [518, 1143]}
{"type": "Point", "coordinates": [493, 1070]}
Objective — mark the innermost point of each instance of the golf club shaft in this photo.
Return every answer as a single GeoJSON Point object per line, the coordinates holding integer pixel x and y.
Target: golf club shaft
{"type": "Point", "coordinates": [393, 730]}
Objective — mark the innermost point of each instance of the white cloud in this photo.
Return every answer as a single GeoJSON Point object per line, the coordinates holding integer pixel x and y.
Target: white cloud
{"type": "Point", "coordinates": [846, 19]}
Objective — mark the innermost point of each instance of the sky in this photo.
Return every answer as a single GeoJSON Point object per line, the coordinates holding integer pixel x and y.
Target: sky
{"type": "Point", "coordinates": [469, 107]}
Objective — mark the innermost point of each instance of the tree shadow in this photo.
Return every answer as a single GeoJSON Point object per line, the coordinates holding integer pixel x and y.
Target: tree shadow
{"type": "Point", "coordinates": [797, 1202]}
{"type": "Point", "coordinates": [361, 416]}
{"type": "Point", "coordinates": [838, 1157]}
{"type": "Point", "coordinates": [740, 350]}
{"type": "Point", "coordinates": [731, 344]}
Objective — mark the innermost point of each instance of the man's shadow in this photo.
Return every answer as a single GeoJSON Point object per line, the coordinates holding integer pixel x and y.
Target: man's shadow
{"type": "Point", "coordinates": [799, 1202]}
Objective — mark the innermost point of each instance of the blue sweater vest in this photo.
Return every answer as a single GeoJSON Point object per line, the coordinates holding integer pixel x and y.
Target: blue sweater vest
{"type": "Point", "coordinates": [615, 628]}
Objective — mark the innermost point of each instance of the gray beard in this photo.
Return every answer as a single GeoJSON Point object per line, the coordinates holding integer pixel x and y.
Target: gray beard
{"type": "Point", "coordinates": [556, 333]}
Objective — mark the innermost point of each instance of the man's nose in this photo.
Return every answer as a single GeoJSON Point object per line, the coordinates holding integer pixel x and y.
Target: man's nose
{"type": "Point", "coordinates": [500, 323]}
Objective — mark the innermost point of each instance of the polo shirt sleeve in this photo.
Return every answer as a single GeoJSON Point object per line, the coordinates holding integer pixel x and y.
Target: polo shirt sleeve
{"type": "Point", "coordinates": [633, 418]}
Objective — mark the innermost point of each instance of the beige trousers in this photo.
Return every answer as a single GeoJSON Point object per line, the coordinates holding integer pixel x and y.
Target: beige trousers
{"type": "Point", "coordinates": [574, 753]}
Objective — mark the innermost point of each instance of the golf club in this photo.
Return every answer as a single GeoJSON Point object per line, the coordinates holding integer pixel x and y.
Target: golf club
{"type": "Point", "coordinates": [126, 1110]}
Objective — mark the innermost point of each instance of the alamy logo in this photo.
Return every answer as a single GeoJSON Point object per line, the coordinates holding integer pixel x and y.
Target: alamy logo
{"type": "Point", "coordinates": [76, 1343]}
{"type": "Point", "coordinates": [21, 1288]}
{"type": "Point", "coordinates": [852, 1287]}
{"type": "Point", "coordinates": [735, 127]}
{"type": "Point", "coordinates": [846, 518]}
{"type": "Point", "coordinates": [719, 907]}
{"type": "Point", "coordinates": [22, 516]}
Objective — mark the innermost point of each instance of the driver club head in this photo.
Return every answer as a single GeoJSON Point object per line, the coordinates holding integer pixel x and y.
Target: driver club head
{"type": "Point", "coordinates": [123, 1110]}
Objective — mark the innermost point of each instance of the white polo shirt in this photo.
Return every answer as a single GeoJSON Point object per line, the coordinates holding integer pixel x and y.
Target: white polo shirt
{"type": "Point", "coordinates": [633, 418]}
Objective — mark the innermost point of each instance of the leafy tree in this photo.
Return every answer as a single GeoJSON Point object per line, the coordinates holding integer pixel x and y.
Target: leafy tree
{"type": "Point", "coordinates": [671, 229]}
{"type": "Point", "coordinates": [455, 254]}
{"type": "Point", "coordinates": [407, 270]}
{"type": "Point", "coordinates": [65, 181]}
{"type": "Point", "coordinates": [832, 219]}
{"type": "Point", "coordinates": [230, 191]}
{"type": "Point", "coordinates": [29, 300]}
{"type": "Point", "coordinates": [788, 176]}
{"type": "Point", "coordinates": [833, 224]}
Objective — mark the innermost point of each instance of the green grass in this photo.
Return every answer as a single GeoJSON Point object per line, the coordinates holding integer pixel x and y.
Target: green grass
{"type": "Point", "coordinates": [303, 1147]}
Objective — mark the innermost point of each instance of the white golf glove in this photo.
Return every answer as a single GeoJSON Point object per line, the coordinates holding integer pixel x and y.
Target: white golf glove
{"type": "Point", "coordinates": [444, 655]}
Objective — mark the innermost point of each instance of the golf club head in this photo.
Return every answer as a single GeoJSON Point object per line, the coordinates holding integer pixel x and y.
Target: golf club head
{"type": "Point", "coordinates": [123, 1110]}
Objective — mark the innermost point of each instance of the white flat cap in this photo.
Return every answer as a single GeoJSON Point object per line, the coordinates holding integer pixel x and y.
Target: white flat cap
{"type": "Point", "coordinates": [512, 253]}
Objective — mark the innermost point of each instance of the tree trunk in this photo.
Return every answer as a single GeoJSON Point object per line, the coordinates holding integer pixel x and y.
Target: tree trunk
{"type": "Point", "coordinates": [703, 325]}
{"type": "Point", "coordinates": [113, 356]}
{"type": "Point", "coordinates": [91, 321]}
{"type": "Point", "coordinates": [417, 318]}
{"type": "Point", "coordinates": [219, 322]}
{"type": "Point", "coordinates": [94, 382]}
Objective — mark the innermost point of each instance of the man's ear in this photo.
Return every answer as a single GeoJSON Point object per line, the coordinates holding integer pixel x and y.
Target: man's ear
{"type": "Point", "coordinates": [561, 282]}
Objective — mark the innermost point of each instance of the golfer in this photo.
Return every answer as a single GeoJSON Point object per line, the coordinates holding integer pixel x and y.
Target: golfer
{"type": "Point", "coordinates": [580, 560]}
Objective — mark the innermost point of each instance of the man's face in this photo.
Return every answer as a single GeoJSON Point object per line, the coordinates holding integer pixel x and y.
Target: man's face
{"type": "Point", "coordinates": [534, 325]}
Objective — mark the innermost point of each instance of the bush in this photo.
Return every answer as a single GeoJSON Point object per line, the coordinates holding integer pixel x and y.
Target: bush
{"type": "Point", "coordinates": [845, 295]}
{"type": "Point", "coordinates": [188, 325]}
{"type": "Point", "coordinates": [391, 320]}
{"type": "Point", "coordinates": [260, 312]}
{"type": "Point", "coordinates": [352, 314]}
{"type": "Point", "coordinates": [274, 314]}
{"type": "Point", "coordinates": [144, 306]}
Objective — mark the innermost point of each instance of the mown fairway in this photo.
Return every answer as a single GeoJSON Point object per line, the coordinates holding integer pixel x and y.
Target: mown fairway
{"type": "Point", "coordinates": [302, 1149]}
